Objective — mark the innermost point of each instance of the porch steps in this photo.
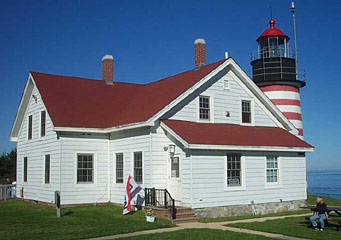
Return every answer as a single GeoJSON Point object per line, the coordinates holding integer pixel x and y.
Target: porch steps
{"type": "Point", "coordinates": [183, 214]}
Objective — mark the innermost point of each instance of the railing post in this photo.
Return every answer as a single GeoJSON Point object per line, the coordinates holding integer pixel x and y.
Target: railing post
{"type": "Point", "coordinates": [173, 209]}
{"type": "Point", "coordinates": [165, 197]}
{"type": "Point", "coordinates": [145, 197]}
{"type": "Point", "coordinates": [153, 197]}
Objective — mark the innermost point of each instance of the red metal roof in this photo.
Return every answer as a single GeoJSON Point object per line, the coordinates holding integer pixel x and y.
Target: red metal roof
{"type": "Point", "coordinates": [231, 134]}
{"type": "Point", "coordinates": [89, 103]}
{"type": "Point", "coordinates": [272, 31]}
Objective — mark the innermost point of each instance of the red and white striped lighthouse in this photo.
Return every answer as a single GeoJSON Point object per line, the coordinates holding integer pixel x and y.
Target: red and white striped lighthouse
{"type": "Point", "coordinates": [275, 73]}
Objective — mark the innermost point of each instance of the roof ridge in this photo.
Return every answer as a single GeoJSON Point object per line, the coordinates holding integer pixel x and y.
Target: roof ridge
{"type": "Point", "coordinates": [82, 78]}
{"type": "Point", "coordinates": [218, 123]}
{"type": "Point", "coordinates": [186, 71]}
{"type": "Point", "coordinates": [90, 103]}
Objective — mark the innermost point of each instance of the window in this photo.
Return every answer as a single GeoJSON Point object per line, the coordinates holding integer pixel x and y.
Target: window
{"type": "Point", "coordinates": [29, 130]}
{"type": "Point", "coordinates": [246, 111]}
{"type": "Point", "coordinates": [25, 169]}
{"type": "Point", "coordinates": [138, 167]}
{"type": "Point", "coordinates": [175, 167]}
{"type": "Point", "coordinates": [271, 169]}
{"type": "Point", "coordinates": [226, 84]}
{"type": "Point", "coordinates": [85, 168]}
{"type": "Point", "coordinates": [47, 169]}
{"type": "Point", "coordinates": [204, 108]}
{"type": "Point", "coordinates": [233, 170]}
{"type": "Point", "coordinates": [42, 123]}
{"type": "Point", "coordinates": [119, 167]}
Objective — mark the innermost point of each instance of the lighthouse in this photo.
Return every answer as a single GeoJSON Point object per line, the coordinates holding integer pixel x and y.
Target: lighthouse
{"type": "Point", "coordinates": [274, 70]}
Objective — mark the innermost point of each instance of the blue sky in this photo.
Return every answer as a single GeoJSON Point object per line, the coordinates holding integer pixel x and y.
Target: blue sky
{"type": "Point", "coordinates": [154, 39]}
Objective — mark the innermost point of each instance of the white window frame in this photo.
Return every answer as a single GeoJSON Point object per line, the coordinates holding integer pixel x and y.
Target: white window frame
{"type": "Point", "coordinates": [132, 164]}
{"type": "Point", "coordinates": [85, 184]}
{"type": "Point", "coordinates": [277, 184]}
{"type": "Point", "coordinates": [41, 137]}
{"type": "Point", "coordinates": [211, 115]}
{"type": "Point", "coordinates": [23, 170]}
{"type": "Point", "coordinates": [228, 84]}
{"type": "Point", "coordinates": [28, 128]}
{"type": "Point", "coordinates": [115, 155]}
{"type": "Point", "coordinates": [170, 167]}
{"type": "Point", "coordinates": [44, 169]}
{"type": "Point", "coordinates": [252, 108]}
{"type": "Point", "coordinates": [242, 168]}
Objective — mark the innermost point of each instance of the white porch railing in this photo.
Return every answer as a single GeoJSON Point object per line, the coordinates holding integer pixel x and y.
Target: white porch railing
{"type": "Point", "coordinates": [7, 191]}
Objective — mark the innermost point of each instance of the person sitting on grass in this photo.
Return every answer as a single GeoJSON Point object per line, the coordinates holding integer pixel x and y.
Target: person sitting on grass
{"type": "Point", "coordinates": [319, 213]}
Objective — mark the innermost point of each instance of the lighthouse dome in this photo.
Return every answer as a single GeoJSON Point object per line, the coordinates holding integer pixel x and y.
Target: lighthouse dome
{"type": "Point", "coordinates": [272, 31]}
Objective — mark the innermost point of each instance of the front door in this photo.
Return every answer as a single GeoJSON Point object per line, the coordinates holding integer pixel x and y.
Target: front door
{"type": "Point", "coordinates": [174, 177]}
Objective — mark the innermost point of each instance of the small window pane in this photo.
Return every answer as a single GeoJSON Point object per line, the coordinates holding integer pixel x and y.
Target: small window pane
{"type": "Point", "coordinates": [25, 169]}
{"type": "Point", "coordinates": [246, 111]}
{"type": "Point", "coordinates": [204, 107]}
{"type": "Point", "coordinates": [233, 170]}
{"type": "Point", "coordinates": [85, 169]}
{"type": "Point", "coordinates": [226, 84]}
{"type": "Point", "coordinates": [272, 169]}
{"type": "Point", "coordinates": [29, 133]}
{"type": "Point", "coordinates": [119, 168]}
{"type": "Point", "coordinates": [175, 167]}
{"type": "Point", "coordinates": [47, 169]}
{"type": "Point", "coordinates": [138, 167]}
{"type": "Point", "coordinates": [42, 123]}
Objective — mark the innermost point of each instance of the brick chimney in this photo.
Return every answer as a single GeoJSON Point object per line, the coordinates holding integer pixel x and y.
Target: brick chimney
{"type": "Point", "coordinates": [199, 49]}
{"type": "Point", "coordinates": [108, 69]}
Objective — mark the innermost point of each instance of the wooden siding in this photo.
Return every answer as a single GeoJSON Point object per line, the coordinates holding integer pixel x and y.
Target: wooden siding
{"type": "Point", "coordinates": [73, 192]}
{"type": "Point", "coordinates": [128, 142]}
{"type": "Point", "coordinates": [161, 167]}
{"type": "Point", "coordinates": [34, 150]}
{"type": "Point", "coordinates": [222, 100]}
{"type": "Point", "coordinates": [210, 190]}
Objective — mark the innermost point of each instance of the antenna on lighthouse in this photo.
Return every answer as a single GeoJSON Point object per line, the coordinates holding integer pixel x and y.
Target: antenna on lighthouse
{"type": "Point", "coordinates": [293, 17]}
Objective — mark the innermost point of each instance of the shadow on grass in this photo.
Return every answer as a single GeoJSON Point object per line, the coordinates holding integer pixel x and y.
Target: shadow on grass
{"type": "Point", "coordinates": [67, 213]}
{"type": "Point", "coordinates": [328, 224]}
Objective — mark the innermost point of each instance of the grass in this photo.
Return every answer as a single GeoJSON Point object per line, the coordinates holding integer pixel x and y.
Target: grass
{"type": "Point", "coordinates": [296, 227]}
{"type": "Point", "coordinates": [329, 201]}
{"type": "Point", "coordinates": [199, 234]}
{"type": "Point", "coordinates": [25, 220]}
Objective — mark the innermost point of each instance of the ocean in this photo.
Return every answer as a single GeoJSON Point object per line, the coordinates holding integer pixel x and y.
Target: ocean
{"type": "Point", "coordinates": [325, 183]}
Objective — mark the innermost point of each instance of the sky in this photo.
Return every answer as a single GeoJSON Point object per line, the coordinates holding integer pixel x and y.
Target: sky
{"type": "Point", "coordinates": [154, 39]}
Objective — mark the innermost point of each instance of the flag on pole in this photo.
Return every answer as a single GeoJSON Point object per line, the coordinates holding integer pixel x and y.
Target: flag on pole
{"type": "Point", "coordinates": [132, 189]}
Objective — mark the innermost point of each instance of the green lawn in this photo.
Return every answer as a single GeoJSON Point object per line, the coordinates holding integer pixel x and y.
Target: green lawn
{"type": "Point", "coordinates": [329, 201]}
{"type": "Point", "coordinates": [24, 220]}
{"type": "Point", "coordinates": [297, 227]}
{"type": "Point", "coordinates": [200, 234]}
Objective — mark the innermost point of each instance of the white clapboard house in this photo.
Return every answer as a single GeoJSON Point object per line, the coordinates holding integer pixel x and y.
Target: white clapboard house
{"type": "Point", "coordinates": [210, 136]}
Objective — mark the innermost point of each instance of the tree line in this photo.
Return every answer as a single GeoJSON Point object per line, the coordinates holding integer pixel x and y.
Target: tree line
{"type": "Point", "coordinates": [8, 164]}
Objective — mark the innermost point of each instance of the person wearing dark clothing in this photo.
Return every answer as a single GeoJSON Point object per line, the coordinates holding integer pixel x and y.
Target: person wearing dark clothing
{"type": "Point", "coordinates": [319, 213]}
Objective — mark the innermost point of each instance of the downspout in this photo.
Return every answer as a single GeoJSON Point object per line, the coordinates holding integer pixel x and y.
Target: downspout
{"type": "Point", "coordinates": [60, 162]}
{"type": "Point", "coordinates": [109, 168]}
{"type": "Point", "coordinates": [190, 159]}
{"type": "Point", "coordinates": [150, 156]}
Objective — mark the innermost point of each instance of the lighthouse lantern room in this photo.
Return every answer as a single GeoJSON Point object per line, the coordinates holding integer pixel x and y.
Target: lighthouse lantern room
{"type": "Point", "coordinates": [274, 70]}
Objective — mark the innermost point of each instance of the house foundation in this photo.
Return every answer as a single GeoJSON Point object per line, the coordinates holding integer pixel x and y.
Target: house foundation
{"type": "Point", "coordinates": [249, 209]}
